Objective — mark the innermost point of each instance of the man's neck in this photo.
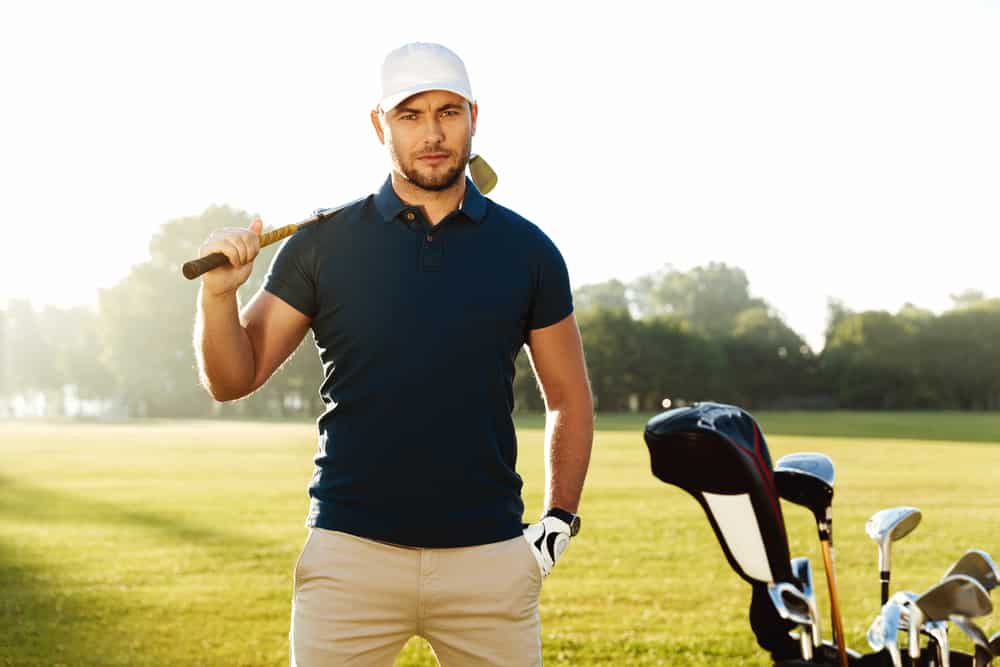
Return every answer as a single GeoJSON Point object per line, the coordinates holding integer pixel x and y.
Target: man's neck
{"type": "Point", "coordinates": [435, 204]}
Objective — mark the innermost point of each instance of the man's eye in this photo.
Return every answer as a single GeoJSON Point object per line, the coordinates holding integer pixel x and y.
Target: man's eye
{"type": "Point", "coordinates": [449, 112]}
{"type": "Point", "coordinates": [409, 116]}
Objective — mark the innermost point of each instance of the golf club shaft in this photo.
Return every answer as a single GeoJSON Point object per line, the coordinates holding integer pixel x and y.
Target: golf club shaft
{"type": "Point", "coordinates": [885, 586]}
{"type": "Point", "coordinates": [831, 583]}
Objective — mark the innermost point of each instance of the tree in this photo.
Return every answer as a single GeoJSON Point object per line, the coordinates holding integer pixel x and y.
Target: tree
{"type": "Point", "coordinates": [767, 364]}
{"type": "Point", "coordinates": [609, 295]}
{"type": "Point", "coordinates": [709, 297]}
{"type": "Point", "coordinates": [872, 362]}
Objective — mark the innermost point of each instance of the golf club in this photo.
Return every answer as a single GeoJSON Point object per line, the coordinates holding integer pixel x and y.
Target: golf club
{"type": "Point", "coordinates": [938, 632]}
{"type": "Point", "coordinates": [807, 479]}
{"type": "Point", "coordinates": [802, 571]}
{"type": "Point", "coordinates": [482, 175]}
{"type": "Point", "coordinates": [995, 643]}
{"type": "Point", "coordinates": [884, 631]}
{"type": "Point", "coordinates": [885, 527]}
{"type": "Point", "coordinates": [984, 652]}
{"type": "Point", "coordinates": [793, 605]}
{"type": "Point", "coordinates": [957, 594]}
{"type": "Point", "coordinates": [977, 564]}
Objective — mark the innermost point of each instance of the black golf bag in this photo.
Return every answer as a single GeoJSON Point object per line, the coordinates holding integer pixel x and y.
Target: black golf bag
{"type": "Point", "coordinates": [718, 454]}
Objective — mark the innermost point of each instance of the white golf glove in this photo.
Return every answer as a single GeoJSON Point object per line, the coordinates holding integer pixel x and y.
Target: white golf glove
{"type": "Point", "coordinates": [548, 539]}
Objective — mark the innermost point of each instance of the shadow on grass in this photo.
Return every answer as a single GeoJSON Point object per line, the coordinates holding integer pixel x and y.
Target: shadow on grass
{"type": "Point", "coordinates": [53, 613]}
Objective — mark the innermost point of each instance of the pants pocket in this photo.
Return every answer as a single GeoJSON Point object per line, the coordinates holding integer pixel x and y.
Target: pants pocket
{"type": "Point", "coordinates": [297, 571]}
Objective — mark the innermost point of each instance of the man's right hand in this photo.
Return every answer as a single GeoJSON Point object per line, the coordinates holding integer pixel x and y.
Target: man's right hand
{"type": "Point", "coordinates": [240, 246]}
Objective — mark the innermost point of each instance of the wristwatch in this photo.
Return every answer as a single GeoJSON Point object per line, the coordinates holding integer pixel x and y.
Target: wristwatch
{"type": "Point", "coordinates": [572, 520]}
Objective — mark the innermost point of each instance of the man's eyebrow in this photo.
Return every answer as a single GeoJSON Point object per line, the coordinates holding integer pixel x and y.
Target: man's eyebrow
{"type": "Point", "coordinates": [400, 111]}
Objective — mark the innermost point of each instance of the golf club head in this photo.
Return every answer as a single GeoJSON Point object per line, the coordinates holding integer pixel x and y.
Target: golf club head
{"type": "Point", "coordinates": [790, 603]}
{"type": "Point", "coordinates": [938, 632]}
{"type": "Point", "coordinates": [802, 572]}
{"type": "Point", "coordinates": [482, 173]}
{"type": "Point", "coordinates": [718, 454]}
{"type": "Point", "coordinates": [889, 525]}
{"type": "Point", "coordinates": [955, 594]}
{"type": "Point", "coordinates": [884, 631]}
{"type": "Point", "coordinates": [975, 633]}
{"type": "Point", "coordinates": [995, 643]}
{"type": "Point", "coordinates": [977, 564]}
{"type": "Point", "coordinates": [806, 479]}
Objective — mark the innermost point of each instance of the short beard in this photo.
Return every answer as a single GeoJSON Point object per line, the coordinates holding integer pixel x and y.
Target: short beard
{"type": "Point", "coordinates": [441, 182]}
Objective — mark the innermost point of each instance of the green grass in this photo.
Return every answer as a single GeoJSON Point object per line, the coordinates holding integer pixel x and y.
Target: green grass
{"type": "Point", "coordinates": [173, 543]}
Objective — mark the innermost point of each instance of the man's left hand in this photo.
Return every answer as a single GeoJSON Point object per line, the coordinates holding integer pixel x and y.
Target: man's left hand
{"type": "Point", "coordinates": [548, 539]}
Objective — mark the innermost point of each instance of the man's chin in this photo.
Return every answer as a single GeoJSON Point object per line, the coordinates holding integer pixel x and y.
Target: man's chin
{"type": "Point", "coordinates": [435, 182]}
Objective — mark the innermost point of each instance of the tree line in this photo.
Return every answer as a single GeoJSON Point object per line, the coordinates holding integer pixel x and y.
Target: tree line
{"type": "Point", "coordinates": [677, 335]}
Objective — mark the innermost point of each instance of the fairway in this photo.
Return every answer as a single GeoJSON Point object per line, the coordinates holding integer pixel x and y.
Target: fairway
{"type": "Point", "coordinates": [173, 543]}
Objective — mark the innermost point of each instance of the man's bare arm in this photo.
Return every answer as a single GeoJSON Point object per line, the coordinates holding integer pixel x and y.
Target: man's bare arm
{"type": "Point", "coordinates": [556, 354]}
{"type": "Point", "coordinates": [237, 352]}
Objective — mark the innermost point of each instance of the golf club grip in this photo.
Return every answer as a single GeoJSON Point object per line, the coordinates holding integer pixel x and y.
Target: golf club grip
{"type": "Point", "coordinates": [196, 267]}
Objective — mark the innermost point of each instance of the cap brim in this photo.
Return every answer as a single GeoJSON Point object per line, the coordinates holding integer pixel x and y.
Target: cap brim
{"type": "Point", "coordinates": [390, 102]}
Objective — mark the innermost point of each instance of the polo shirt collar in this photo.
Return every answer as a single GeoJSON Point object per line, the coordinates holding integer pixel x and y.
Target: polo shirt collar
{"type": "Point", "coordinates": [389, 204]}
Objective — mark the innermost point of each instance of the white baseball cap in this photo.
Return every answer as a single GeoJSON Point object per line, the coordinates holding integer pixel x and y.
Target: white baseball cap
{"type": "Point", "coordinates": [419, 67]}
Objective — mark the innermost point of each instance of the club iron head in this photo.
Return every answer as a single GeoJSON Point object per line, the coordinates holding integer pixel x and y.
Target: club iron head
{"type": "Point", "coordinates": [995, 643]}
{"type": "Point", "coordinates": [802, 572]}
{"type": "Point", "coordinates": [806, 479]}
{"type": "Point", "coordinates": [889, 525]}
{"type": "Point", "coordinates": [884, 631]}
{"type": "Point", "coordinates": [956, 594]}
{"type": "Point", "coordinates": [938, 632]}
{"type": "Point", "coordinates": [984, 652]}
{"type": "Point", "coordinates": [482, 173]}
{"type": "Point", "coordinates": [790, 603]}
{"type": "Point", "coordinates": [977, 564]}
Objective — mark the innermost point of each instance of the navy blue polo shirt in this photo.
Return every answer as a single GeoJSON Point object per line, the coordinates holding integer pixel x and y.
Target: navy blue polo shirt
{"type": "Point", "coordinates": [418, 328]}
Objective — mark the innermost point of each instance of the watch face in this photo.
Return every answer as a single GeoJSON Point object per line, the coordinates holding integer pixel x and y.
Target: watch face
{"type": "Point", "coordinates": [574, 527]}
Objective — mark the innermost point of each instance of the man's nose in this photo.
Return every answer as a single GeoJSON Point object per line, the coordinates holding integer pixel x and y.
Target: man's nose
{"type": "Point", "coordinates": [434, 130]}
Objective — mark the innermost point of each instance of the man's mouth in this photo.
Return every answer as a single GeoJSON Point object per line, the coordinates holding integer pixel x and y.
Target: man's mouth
{"type": "Point", "coordinates": [432, 158]}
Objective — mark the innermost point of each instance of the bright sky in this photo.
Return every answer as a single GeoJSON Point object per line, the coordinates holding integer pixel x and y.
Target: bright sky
{"type": "Point", "coordinates": [844, 149]}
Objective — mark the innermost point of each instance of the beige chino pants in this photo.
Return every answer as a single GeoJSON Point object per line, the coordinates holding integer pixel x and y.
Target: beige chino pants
{"type": "Point", "coordinates": [356, 602]}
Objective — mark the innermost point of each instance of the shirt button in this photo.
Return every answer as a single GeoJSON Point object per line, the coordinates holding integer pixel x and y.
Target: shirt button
{"type": "Point", "coordinates": [429, 238]}
{"type": "Point", "coordinates": [410, 216]}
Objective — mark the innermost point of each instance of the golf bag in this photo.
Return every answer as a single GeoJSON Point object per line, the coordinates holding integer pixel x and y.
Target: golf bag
{"type": "Point", "coordinates": [718, 454]}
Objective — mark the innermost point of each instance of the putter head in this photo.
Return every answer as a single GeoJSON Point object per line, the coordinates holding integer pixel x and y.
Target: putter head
{"type": "Point", "coordinates": [977, 564]}
{"type": "Point", "coordinates": [718, 454]}
{"type": "Point", "coordinates": [889, 525]}
{"type": "Point", "coordinates": [806, 479]}
{"type": "Point", "coordinates": [482, 173]}
{"type": "Point", "coordinates": [802, 573]}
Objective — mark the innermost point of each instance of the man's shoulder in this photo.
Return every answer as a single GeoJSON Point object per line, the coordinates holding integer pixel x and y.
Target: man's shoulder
{"type": "Point", "coordinates": [351, 209]}
{"type": "Point", "coordinates": [516, 223]}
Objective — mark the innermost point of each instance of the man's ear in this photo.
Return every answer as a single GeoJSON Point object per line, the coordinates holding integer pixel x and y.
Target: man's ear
{"type": "Point", "coordinates": [475, 114]}
{"type": "Point", "coordinates": [377, 124]}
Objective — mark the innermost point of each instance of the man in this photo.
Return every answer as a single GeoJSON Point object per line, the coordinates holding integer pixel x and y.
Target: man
{"type": "Point", "coordinates": [419, 298]}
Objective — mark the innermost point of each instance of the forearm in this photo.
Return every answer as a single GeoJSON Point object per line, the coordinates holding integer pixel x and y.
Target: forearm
{"type": "Point", "coordinates": [222, 347]}
{"type": "Point", "coordinates": [569, 436]}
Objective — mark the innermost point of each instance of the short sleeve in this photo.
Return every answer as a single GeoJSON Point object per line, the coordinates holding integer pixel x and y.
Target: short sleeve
{"type": "Point", "coordinates": [553, 300]}
{"type": "Point", "coordinates": [291, 276]}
